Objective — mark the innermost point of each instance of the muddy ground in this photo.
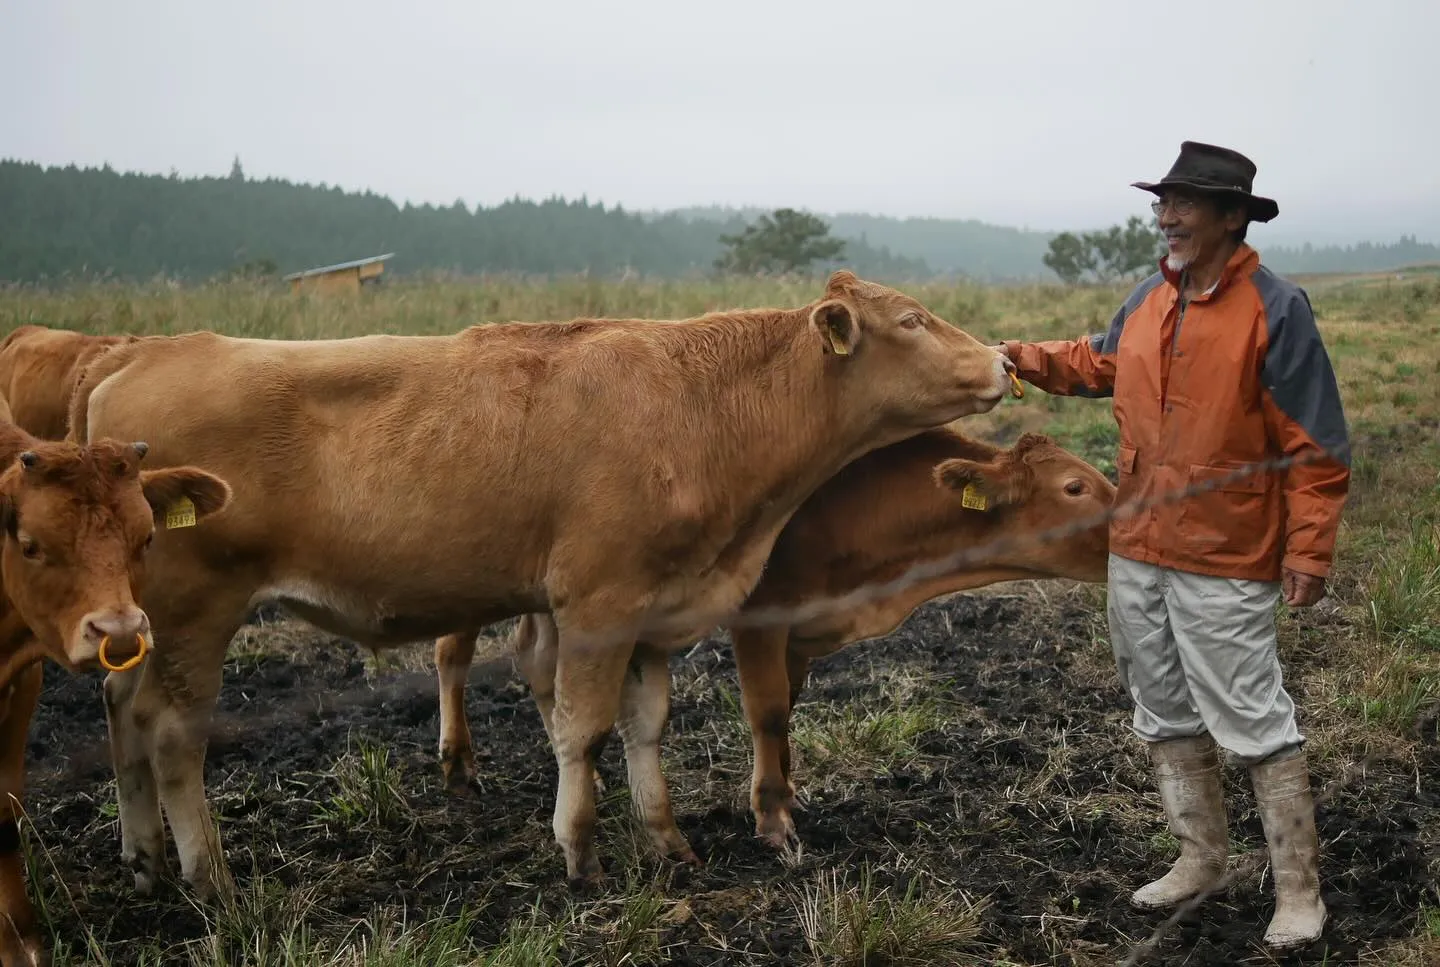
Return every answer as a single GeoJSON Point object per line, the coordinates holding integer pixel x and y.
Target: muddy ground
{"type": "Point", "coordinates": [1027, 790]}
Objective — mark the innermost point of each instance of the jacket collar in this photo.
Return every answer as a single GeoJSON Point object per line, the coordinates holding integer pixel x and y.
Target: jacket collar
{"type": "Point", "coordinates": [1242, 261]}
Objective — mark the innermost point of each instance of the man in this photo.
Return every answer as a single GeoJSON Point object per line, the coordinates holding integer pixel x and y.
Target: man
{"type": "Point", "coordinates": [1214, 363]}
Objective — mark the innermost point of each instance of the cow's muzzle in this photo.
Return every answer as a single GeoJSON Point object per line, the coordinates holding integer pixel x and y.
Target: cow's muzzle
{"type": "Point", "coordinates": [117, 640]}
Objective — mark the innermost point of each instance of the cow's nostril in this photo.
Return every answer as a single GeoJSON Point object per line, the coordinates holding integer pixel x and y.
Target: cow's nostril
{"type": "Point", "coordinates": [94, 632]}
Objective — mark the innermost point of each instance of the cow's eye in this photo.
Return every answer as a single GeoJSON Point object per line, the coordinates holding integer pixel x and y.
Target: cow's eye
{"type": "Point", "coordinates": [910, 321]}
{"type": "Point", "coordinates": [29, 548]}
{"type": "Point", "coordinates": [1075, 488]}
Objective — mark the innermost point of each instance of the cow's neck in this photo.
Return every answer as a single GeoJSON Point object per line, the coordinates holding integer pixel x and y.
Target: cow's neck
{"type": "Point", "coordinates": [877, 616]}
{"type": "Point", "coordinates": [786, 395]}
{"type": "Point", "coordinates": [17, 644]}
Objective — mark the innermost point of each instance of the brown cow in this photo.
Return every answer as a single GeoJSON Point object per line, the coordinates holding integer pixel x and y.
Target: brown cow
{"type": "Point", "coordinates": [76, 525]}
{"type": "Point", "coordinates": [629, 476]}
{"type": "Point", "coordinates": [38, 370]}
{"type": "Point", "coordinates": [868, 547]}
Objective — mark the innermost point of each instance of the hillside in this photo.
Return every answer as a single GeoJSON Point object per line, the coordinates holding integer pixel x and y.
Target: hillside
{"type": "Point", "coordinates": [68, 220]}
{"type": "Point", "coordinates": [62, 222]}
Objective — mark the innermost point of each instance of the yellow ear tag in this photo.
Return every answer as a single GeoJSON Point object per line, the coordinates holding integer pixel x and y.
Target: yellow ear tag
{"type": "Point", "coordinates": [180, 514]}
{"type": "Point", "coordinates": [836, 343]}
{"type": "Point", "coordinates": [972, 498]}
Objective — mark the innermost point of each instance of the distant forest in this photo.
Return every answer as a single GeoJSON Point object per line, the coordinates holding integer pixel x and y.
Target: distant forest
{"type": "Point", "coordinates": [60, 222]}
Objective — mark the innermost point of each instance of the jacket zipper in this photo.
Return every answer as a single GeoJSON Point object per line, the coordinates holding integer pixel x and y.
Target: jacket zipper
{"type": "Point", "coordinates": [1169, 350]}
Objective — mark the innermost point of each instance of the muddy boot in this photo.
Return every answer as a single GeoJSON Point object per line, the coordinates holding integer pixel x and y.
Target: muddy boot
{"type": "Point", "coordinates": [1287, 811]}
{"type": "Point", "coordinates": [1188, 774]}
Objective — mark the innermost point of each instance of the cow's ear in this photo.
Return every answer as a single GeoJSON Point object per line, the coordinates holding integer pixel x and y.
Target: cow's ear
{"type": "Point", "coordinates": [838, 326]}
{"type": "Point", "coordinates": [980, 486]}
{"type": "Point", "coordinates": [841, 282]}
{"type": "Point", "coordinates": [184, 495]}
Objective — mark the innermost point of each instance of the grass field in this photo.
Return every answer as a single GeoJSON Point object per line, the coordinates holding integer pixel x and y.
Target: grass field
{"type": "Point", "coordinates": [972, 794]}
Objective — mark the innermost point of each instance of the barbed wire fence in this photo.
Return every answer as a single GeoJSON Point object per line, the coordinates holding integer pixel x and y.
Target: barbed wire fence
{"type": "Point", "coordinates": [991, 549]}
{"type": "Point", "coordinates": [408, 684]}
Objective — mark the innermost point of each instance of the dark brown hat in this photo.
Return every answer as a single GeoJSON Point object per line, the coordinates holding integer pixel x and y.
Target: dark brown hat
{"type": "Point", "coordinates": [1209, 168]}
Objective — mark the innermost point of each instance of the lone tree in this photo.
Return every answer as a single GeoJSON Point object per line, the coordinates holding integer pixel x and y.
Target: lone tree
{"type": "Point", "coordinates": [1109, 255]}
{"type": "Point", "coordinates": [784, 241]}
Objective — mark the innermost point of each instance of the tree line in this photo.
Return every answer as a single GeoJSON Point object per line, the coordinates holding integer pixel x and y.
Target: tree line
{"type": "Point", "coordinates": [57, 222]}
{"type": "Point", "coordinates": [65, 221]}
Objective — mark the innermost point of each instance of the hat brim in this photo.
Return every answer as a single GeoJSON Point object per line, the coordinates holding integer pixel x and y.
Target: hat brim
{"type": "Point", "coordinates": [1259, 208]}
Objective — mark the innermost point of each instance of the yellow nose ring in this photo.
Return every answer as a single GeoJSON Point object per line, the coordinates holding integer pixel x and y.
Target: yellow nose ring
{"type": "Point", "coordinates": [139, 655]}
{"type": "Point", "coordinates": [1016, 389]}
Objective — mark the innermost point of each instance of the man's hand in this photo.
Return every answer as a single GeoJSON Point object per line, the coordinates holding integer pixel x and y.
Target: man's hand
{"type": "Point", "coordinates": [1301, 590]}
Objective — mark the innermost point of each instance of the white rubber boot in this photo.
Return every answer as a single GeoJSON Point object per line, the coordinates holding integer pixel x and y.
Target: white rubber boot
{"type": "Point", "coordinates": [1287, 811]}
{"type": "Point", "coordinates": [1187, 772]}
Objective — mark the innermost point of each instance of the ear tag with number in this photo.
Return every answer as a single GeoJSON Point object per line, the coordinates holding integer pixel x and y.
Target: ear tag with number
{"type": "Point", "coordinates": [972, 498]}
{"type": "Point", "coordinates": [836, 343]}
{"type": "Point", "coordinates": [180, 514]}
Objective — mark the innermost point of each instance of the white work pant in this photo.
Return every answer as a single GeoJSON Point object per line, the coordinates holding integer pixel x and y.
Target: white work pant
{"type": "Point", "coordinates": [1197, 653]}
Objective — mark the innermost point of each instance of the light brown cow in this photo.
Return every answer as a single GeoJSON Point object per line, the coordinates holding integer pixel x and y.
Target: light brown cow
{"type": "Point", "coordinates": [899, 526]}
{"type": "Point", "coordinates": [76, 525]}
{"type": "Point", "coordinates": [38, 370]}
{"type": "Point", "coordinates": [628, 476]}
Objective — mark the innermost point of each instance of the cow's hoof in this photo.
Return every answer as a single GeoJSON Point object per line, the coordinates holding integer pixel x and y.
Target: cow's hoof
{"type": "Point", "coordinates": [776, 830]}
{"type": "Point", "coordinates": [586, 884]}
{"type": "Point", "coordinates": [584, 872]}
{"type": "Point", "coordinates": [459, 772]}
{"type": "Point", "coordinates": [687, 856]}
{"type": "Point", "coordinates": [147, 876]}
{"type": "Point", "coordinates": [464, 787]}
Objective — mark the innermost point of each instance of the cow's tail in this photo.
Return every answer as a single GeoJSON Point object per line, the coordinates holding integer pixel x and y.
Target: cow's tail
{"type": "Point", "coordinates": [101, 367]}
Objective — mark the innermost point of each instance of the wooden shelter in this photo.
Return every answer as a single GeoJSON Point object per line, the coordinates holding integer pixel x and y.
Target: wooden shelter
{"type": "Point", "coordinates": [341, 277]}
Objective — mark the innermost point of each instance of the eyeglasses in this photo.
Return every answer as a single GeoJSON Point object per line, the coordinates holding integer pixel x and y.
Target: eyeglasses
{"type": "Point", "coordinates": [1182, 204]}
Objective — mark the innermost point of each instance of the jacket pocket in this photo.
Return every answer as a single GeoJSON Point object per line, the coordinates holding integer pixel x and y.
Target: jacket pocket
{"type": "Point", "coordinates": [1128, 527]}
{"type": "Point", "coordinates": [1227, 505]}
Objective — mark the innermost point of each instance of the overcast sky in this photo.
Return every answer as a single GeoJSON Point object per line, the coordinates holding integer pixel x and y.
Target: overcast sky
{"type": "Point", "coordinates": [1032, 113]}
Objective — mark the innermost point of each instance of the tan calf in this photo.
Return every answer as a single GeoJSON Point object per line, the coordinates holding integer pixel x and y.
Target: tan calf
{"type": "Point", "coordinates": [894, 529]}
{"type": "Point", "coordinates": [77, 524]}
{"type": "Point", "coordinates": [628, 476]}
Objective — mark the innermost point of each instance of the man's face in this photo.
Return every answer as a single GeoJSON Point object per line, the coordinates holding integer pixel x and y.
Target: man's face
{"type": "Point", "coordinates": [1195, 226]}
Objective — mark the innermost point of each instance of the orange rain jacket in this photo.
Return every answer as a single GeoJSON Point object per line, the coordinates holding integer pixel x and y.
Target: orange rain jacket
{"type": "Point", "coordinates": [1235, 376]}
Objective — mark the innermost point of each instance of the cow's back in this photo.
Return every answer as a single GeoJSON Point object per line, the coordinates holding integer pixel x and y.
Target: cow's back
{"type": "Point", "coordinates": [355, 455]}
{"type": "Point", "coordinates": [39, 368]}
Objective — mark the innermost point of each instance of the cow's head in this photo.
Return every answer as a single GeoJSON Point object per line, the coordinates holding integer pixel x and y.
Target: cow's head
{"type": "Point", "coordinates": [900, 358]}
{"type": "Point", "coordinates": [1033, 487]}
{"type": "Point", "coordinates": [77, 521]}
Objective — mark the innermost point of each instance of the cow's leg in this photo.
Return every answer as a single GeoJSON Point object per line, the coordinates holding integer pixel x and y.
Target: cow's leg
{"type": "Point", "coordinates": [20, 940]}
{"type": "Point", "coordinates": [644, 711]}
{"type": "Point", "coordinates": [760, 658]}
{"type": "Point", "coordinates": [534, 648]}
{"type": "Point", "coordinates": [797, 668]}
{"type": "Point", "coordinates": [142, 828]}
{"type": "Point", "coordinates": [453, 655]}
{"type": "Point", "coordinates": [173, 707]}
{"type": "Point", "coordinates": [535, 645]}
{"type": "Point", "coordinates": [589, 677]}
